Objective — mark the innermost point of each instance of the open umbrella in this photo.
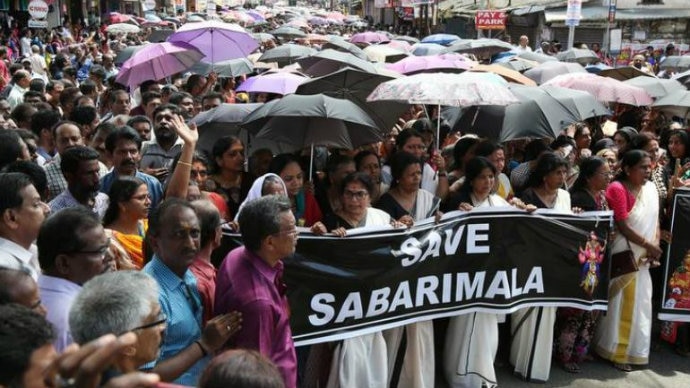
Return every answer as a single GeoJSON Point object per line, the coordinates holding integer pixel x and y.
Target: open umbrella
{"type": "Point", "coordinates": [408, 39]}
{"type": "Point", "coordinates": [339, 44]}
{"type": "Point", "coordinates": [327, 61]}
{"type": "Point", "coordinates": [263, 37]}
{"type": "Point", "coordinates": [580, 104]}
{"type": "Point", "coordinates": [230, 68]}
{"type": "Point", "coordinates": [656, 87]}
{"type": "Point", "coordinates": [444, 63]}
{"type": "Point", "coordinates": [369, 37]}
{"type": "Point", "coordinates": [126, 53]}
{"type": "Point", "coordinates": [680, 62]}
{"type": "Point", "coordinates": [123, 28]}
{"type": "Point", "coordinates": [675, 104]}
{"type": "Point", "coordinates": [442, 39]}
{"type": "Point", "coordinates": [421, 49]}
{"type": "Point", "coordinates": [518, 64]}
{"type": "Point", "coordinates": [279, 83]}
{"type": "Point", "coordinates": [480, 47]}
{"type": "Point", "coordinates": [287, 32]}
{"type": "Point", "coordinates": [538, 115]}
{"type": "Point", "coordinates": [603, 89]}
{"type": "Point", "coordinates": [624, 73]}
{"type": "Point", "coordinates": [221, 121]}
{"type": "Point", "coordinates": [355, 85]}
{"type": "Point", "coordinates": [683, 78]}
{"type": "Point", "coordinates": [581, 56]}
{"type": "Point", "coordinates": [116, 17]}
{"type": "Point", "coordinates": [509, 75]}
{"type": "Point", "coordinates": [217, 40]}
{"type": "Point", "coordinates": [537, 57]}
{"type": "Point", "coordinates": [548, 70]}
{"type": "Point", "coordinates": [156, 61]}
{"type": "Point", "coordinates": [598, 68]}
{"type": "Point", "coordinates": [160, 35]}
{"type": "Point", "coordinates": [286, 54]}
{"type": "Point", "coordinates": [382, 53]}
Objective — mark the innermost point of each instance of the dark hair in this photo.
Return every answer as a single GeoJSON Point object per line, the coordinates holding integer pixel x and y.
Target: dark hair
{"type": "Point", "coordinates": [212, 96]}
{"type": "Point", "coordinates": [474, 168]}
{"type": "Point", "coordinates": [23, 112]}
{"type": "Point", "coordinates": [399, 162]}
{"type": "Point", "coordinates": [68, 95]}
{"type": "Point", "coordinates": [241, 368]}
{"type": "Point", "coordinates": [114, 94]}
{"type": "Point", "coordinates": [84, 115]}
{"type": "Point", "coordinates": [44, 119]}
{"type": "Point", "coordinates": [98, 71]}
{"type": "Point", "coordinates": [260, 218]}
{"type": "Point", "coordinates": [122, 190]}
{"type": "Point", "coordinates": [33, 93]}
{"type": "Point", "coordinates": [546, 163]}
{"type": "Point", "coordinates": [176, 98]}
{"type": "Point", "coordinates": [146, 85]}
{"type": "Point", "coordinates": [220, 146]}
{"type": "Point", "coordinates": [9, 278]}
{"type": "Point", "coordinates": [279, 162]}
{"type": "Point", "coordinates": [62, 233]}
{"type": "Point", "coordinates": [534, 148]}
{"type": "Point", "coordinates": [192, 82]}
{"type": "Point", "coordinates": [601, 144]}
{"type": "Point", "coordinates": [405, 135]}
{"type": "Point", "coordinates": [36, 173]}
{"type": "Point", "coordinates": [682, 135]}
{"type": "Point", "coordinates": [149, 96]}
{"type": "Point", "coordinates": [22, 331]}
{"type": "Point", "coordinates": [461, 148]}
{"type": "Point", "coordinates": [158, 214]}
{"type": "Point", "coordinates": [588, 168]}
{"type": "Point", "coordinates": [359, 177]}
{"type": "Point", "coordinates": [70, 159]}
{"type": "Point", "coordinates": [562, 141]}
{"type": "Point", "coordinates": [335, 161]}
{"type": "Point", "coordinates": [10, 147]}
{"type": "Point", "coordinates": [579, 128]}
{"type": "Point", "coordinates": [361, 155]}
{"type": "Point", "coordinates": [209, 220]}
{"type": "Point", "coordinates": [122, 133]}
{"type": "Point", "coordinates": [87, 87]}
{"type": "Point", "coordinates": [630, 159]}
{"type": "Point", "coordinates": [172, 108]}
{"type": "Point", "coordinates": [38, 85]}
{"type": "Point", "coordinates": [12, 183]}
{"type": "Point", "coordinates": [641, 140]}
{"type": "Point", "coordinates": [139, 119]}
{"type": "Point", "coordinates": [486, 147]}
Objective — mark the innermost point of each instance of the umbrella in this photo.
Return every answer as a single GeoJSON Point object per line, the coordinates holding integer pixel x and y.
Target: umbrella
{"type": "Point", "coordinates": [369, 37]}
{"type": "Point", "coordinates": [598, 68]}
{"type": "Point", "coordinates": [123, 28]}
{"type": "Point", "coordinates": [518, 64]}
{"type": "Point", "coordinates": [603, 89]}
{"type": "Point", "coordinates": [509, 75]}
{"type": "Point", "coordinates": [327, 61]}
{"type": "Point", "coordinates": [116, 17]}
{"type": "Point", "coordinates": [442, 39]}
{"type": "Point", "coordinates": [318, 21]}
{"type": "Point", "coordinates": [408, 39]}
{"type": "Point", "coordinates": [126, 53]}
{"type": "Point", "coordinates": [683, 77]}
{"type": "Point", "coordinates": [313, 120]}
{"type": "Point", "coordinates": [624, 73]}
{"type": "Point", "coordinates": [220, 121]}
{"type": "Point", "coordinates": [537, 57]}
{"type": "Point", "coordinates": [298, 23]}
{"type": "Point", "coordinates": [548, 70]}
{"type": "Point", "coordinates": [160, 35]}
{"type": "Point", "coordinates": [286, 54]}
{"type": "Point", "coordinates": [681, 62]}
{"type": "Point", "coordinates": [195, 18]}
{"type": "Point", "coordinates": [279, 83]}
{"type": "Point", "coordinates": [382, 53]}
{"type": "Point", "coordinates": [580, 104]}
{"type": "Point", "coordinates": [263, 37]}
{"type": "Point", "coordinates": [675, 104]}
{"type": "Point", "coordinates": [480, 47]}
{"type": "Point", "coordinates": [656, 87]}
{"type": "Point", "coordinates": [581, 56]}
{"type": "Point", "coordinates": [431, 64]}
{"type": "Point", "coordinates": [156, 61]}
{"type": "Point", "coordinates": [538, 115]}
{"type": "Point", "coordinates": [421, 49]}
{"type": "Point", "coordinates": [355, 85]}
{"type": "Point", "coordinates": [400, 45]}
{"type": "Point", "coordinates": [346, 47]}
{"type": "Point", "coordinates": [254, 58]}
{"type": "Point", "coordinates": [287, 32]}
{"type": "Point", "coordinates": [217, 40]}
{"type": "Point", "coordinates": [230, 68]}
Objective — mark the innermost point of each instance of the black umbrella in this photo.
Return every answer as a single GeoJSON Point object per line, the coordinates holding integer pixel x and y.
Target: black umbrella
{"type": "Point", "coordinates": [286, 54]}
{"type": "Point", "coordinates": [329, 60]}
{"type": "Point", "coordinates": [160, 35]}
{"type": "Point", "coordinates": [355, 85]}
{"type": "Point", "coordinates": [230, 68]}
{"type": "Point", "coordinates": [287, 32]}
{"type": "Point", "coordinates": [126, 53]}
{"type": "Point", "coordinates": [340, 44]}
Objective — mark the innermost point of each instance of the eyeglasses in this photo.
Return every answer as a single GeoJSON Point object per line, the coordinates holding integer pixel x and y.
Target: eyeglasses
{"type": "Point", "coordinates": [199, 173]}
{"type": "Point", "coordinates": [161, 319]}
{"type": "Point", "coordinates": [359, 195]}
{"type": "Point", "coordinates": [292, 232]}
{"type": "Point", "coordinates": [101, 251]}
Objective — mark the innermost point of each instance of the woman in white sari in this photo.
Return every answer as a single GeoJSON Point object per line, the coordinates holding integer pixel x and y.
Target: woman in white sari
{"type": "Point", "coordinates": [267, 184]}
{"type": "Point", "coordinates": [623, 335]}
{"type": "Point", "coordinates": [410, 362]}
{"type": "Point", "coordinates": [532, 327]}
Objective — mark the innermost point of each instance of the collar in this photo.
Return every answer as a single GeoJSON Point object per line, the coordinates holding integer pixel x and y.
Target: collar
{"type": "Point", "coordinates": [15, 250]}
{"type": "Point", "coordinates": [57, 284]}
{"type": "Point", "coordinates": [262, 266]}
{"type": "Point", "coordinates": [166, 277]}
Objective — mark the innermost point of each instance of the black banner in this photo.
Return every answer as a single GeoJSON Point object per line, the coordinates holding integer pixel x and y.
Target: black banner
{"type": "Point", "coordinates": [498, 260]}
{"type": "Point", "coordinates": [676, 291]}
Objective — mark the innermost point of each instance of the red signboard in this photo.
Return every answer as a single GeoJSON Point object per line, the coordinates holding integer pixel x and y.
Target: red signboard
{"type": "Point", "coordinates": [490, 20]}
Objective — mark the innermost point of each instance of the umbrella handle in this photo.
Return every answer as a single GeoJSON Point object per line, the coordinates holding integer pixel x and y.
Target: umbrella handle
{"type": "Point", "coordinates": [311, 164]}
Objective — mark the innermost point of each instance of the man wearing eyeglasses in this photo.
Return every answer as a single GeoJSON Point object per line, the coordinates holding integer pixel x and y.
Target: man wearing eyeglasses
{"type": "Point", "coordinates": [72, 249]}
{"type": "Point", "coordinates": [107, 305]}
{"type": "Point", "coordinates": [250, 281]}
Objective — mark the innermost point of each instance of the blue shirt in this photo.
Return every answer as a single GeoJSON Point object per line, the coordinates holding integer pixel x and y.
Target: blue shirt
{"type": "Point", "coordinates": [181, 303]}
{"type": "Point", "coordinates": [154, 186]}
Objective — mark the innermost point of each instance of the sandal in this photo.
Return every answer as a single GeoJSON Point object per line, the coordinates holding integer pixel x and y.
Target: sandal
{"type": "Point", "coordinates": [623, 367]}
{"type": "Point", "coordinates": [571, 367]}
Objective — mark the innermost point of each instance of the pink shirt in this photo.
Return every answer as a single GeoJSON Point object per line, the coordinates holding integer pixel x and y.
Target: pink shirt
{"type": "Point", "coordinates": [205, 274]}
{"type": "Point", "coordinates": [246, 283]}
{"type": "Point", "coordinates": [620, 200]}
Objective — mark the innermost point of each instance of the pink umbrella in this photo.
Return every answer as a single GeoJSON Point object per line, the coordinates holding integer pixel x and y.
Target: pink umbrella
{"type": "Point", "coordinates": [279, 83]}
{"type": "Point", "coordinates": [400, 45]}
{"type": "Point", "coordinates": [217, 40]}
{"type": "Point", "coordinates": [369, 38]}
{"type": "Point", "coordinates": [156, 61]}
{"type": "Point", "coordinates": [430, 64]}
{"type": "Point", "coordinates": [604, 89]}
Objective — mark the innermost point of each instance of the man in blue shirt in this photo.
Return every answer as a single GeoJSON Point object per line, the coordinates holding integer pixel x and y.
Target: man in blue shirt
{"type": "Point", "coordinates": [187, 347]}
{"type": "Point", "coordinates": [122, 146]}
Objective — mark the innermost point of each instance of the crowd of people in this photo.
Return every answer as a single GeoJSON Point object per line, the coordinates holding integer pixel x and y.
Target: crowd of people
{"type": "Point", "coordinates": [111, 219]}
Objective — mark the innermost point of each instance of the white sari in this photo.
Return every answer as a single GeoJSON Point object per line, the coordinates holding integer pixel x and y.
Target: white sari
{"type": "Point", "coordinates": [623, 335]}
{"type": "Point", "coordinates": [418, 366]}
{"type": "Point", "coordinates": [472, 340]}
{"type": "Point", "coordinates": [532, 328]}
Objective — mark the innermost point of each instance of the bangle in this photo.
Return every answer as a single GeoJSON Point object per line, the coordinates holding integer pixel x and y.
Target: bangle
{"type": "Point", "coordinates": [185, 163]}
{"type": "Point", "coordinates": [203, 351]}
{"type": "Point", "coordinates": [443, 174]}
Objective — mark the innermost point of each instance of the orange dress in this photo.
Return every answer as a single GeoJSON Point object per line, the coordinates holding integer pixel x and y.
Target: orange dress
{"type": "Point", "coordinates": [134, 243]}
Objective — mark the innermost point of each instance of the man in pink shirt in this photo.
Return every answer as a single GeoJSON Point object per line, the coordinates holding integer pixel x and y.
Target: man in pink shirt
{"type": "Point", "coordinates": [250, 281]}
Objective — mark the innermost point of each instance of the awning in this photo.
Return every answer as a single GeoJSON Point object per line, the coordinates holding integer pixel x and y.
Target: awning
{"type": "Point", "coordinates": [600, 13]}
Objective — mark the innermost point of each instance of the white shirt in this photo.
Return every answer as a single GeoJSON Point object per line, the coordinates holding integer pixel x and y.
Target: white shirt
{"type": "Point", "coordinates": [519, 49]}
{"type": "Point", "coordinates": [14, 256]}
{"type": "Point", "coordinates": [16, 96]}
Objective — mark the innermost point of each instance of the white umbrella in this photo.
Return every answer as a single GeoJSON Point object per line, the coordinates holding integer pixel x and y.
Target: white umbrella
{"type": "Point", "coordinates": [123, 28]}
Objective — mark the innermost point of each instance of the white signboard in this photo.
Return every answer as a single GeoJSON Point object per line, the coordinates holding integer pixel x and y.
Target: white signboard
{"type": "Point", "coordinates": [148, 5]}
{"type": "Point", "coordinates": [38, 10]}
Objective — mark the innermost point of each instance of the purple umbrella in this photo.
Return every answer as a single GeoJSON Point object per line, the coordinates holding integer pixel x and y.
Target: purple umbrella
{"type": "Point", "coordinates": [217, 40]}
{"type": "Point", "coordinates": [369, 37]}
{"type": "Point", "coordinates": [158, 60]}
{"type": "Point", "coordinates": [318, 21]}
{"type": "Point", "coordinates": [279, 83]}
{"type": "Point", "coordinates": [430, 64]}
